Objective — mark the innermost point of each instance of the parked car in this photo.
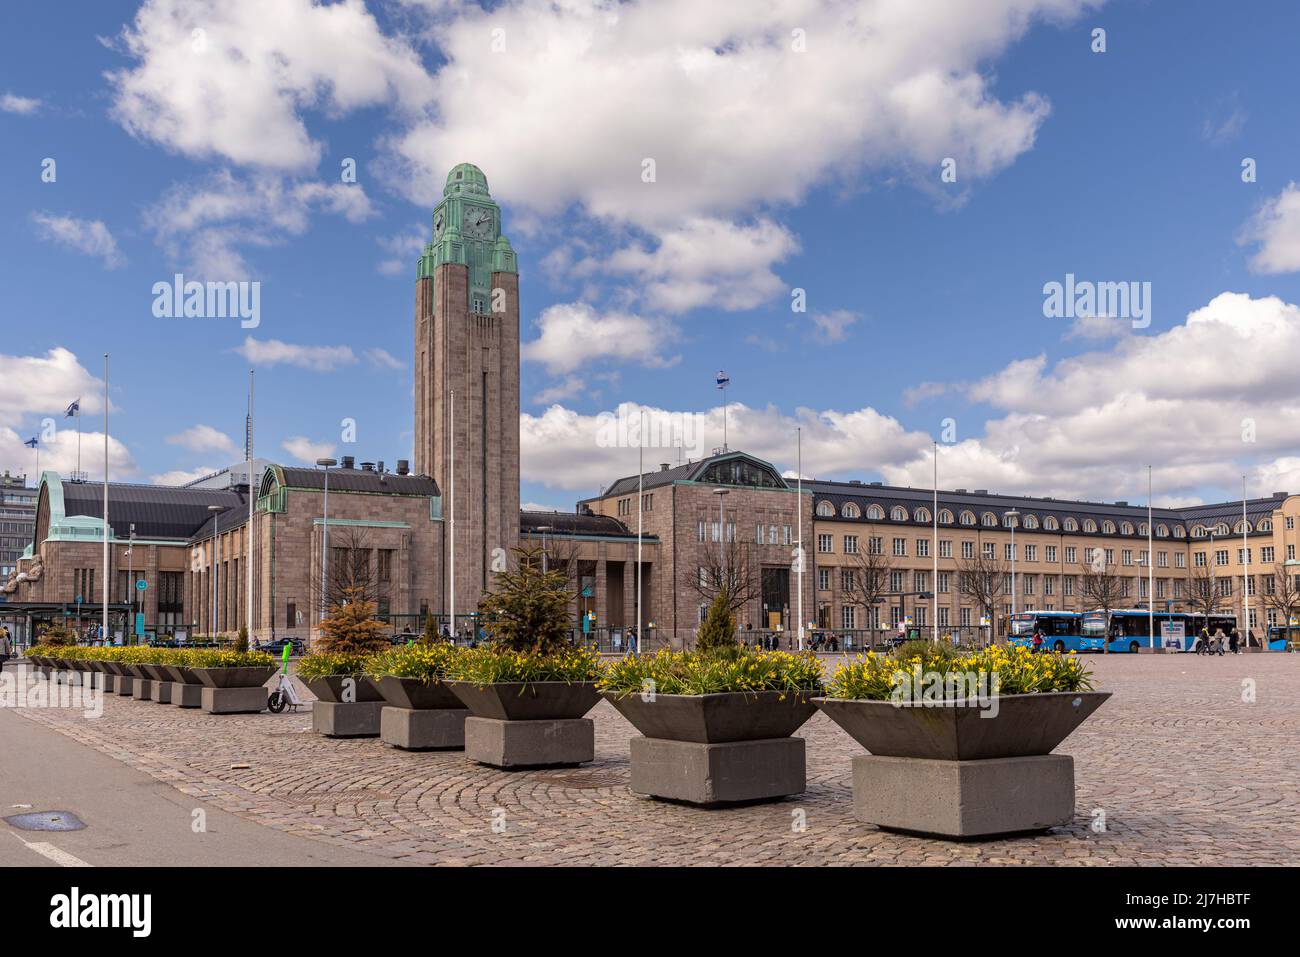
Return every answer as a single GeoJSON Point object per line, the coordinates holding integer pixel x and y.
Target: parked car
{"type": "Point", "coordinates": [276, 648]}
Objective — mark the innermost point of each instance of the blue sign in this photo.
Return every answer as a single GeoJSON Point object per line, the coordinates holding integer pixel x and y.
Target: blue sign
{"type": "Point", "coordinates": [139, 623]}
{"type": "Point", "coordinates": [141, 584]}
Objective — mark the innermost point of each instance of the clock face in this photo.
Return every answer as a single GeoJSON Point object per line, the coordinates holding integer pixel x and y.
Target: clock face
{"type": "Point", "coordinates": [479, 223]}
{"type": "Point", "coordinates": [439, 220]}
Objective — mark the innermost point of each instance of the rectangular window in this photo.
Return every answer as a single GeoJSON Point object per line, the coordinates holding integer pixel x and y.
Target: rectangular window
{"type": "Point", "coordinates": [850, 544]}
{"type": "Point", "coordinates": [944, 615]}
{"type": "Point", "coordinates": [1266, 554]}
{"type": "Point", "coordinates": [1110, 556]}
{"type": "Point", "coordinates": [1180, 560]}
{"type": "Point", "coordinates": [964, 617]}
{"type": "Point", "coordinates": [895, 581]}
{"type": "Point", "coordinates": [1069, 554]}
{"type": "Point", "coordinates": [1067, 584]}
{"type": "Point", "coordinates": [785, 535]}
{"type": "Point", "coordinates": [291, 615]}
{"type": "Point", "coordinates": [1031, 553]}
{"type": "Point", "coordinates": [824, 544]}
{"type": "Point", "coordinates": [967, 549]}
{"type": "Point", "coordinates": [922, 548]}
{"type": "Point", "coordinates": [1051, 554]}
{"type": "Point", "coordinates": [1221, 556]}
{"type": "Point", "coordinates": [849, 616]}
{"type": "Point", "coordinates": [1162, 559]}
{"type": "Point", "coordinates": [1243, 556]}
{"type": "Point", "coordinates": [1008, 553]}
{"type": "Point", "coordinates": [846, 581]}
{"type": "Point", "coordinates": [900, 546]}
{"type": "Point", "coordinates": [760, 538]}
{"type": "Point", "coordinates": [876, 545]}
{"type": "Point", "coordinates": [824, 579]}
{"type": "Point", "coordinates": [988, 550]}
{"type": "Point", "coordinates": [945, 582]}
{"type": "Point", "coordinates": [1127, 556]}
{"type": "Point", "coordinates": [945, 548]}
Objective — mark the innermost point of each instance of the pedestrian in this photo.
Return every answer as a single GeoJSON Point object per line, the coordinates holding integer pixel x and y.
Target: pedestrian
{"type": "Point", "coordinates": [631, 641]}
{"type": "Point", "coordinates": [1038, 640]}
{"type": "Point", "coordinates": [1233, 641]}
{"type": "Point", "coordinates": [5, 648]}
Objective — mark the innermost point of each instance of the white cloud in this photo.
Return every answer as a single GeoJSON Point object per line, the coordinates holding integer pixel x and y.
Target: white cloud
{"type": "Point", "coordinates": [383, 359]}
{"type": "Point", "coordinates": [59, 454]}
{"type": "Point", "coordinates": [271, 352]}
{"type": "Point", "coordinates": [1276, 228]}
{"type": "Point", "coordinates": [88, 236]}
{"type": "Point", "coordinates": [573, 334]}
{"type": "Point", "coordinates": [832, 326]}
{"type": "Point", "coordinates": [202, 226]}
{"type": "Point", "coordinates": [45, 385]}
{"type": "Point", "coordinates": [567, 388]}
{"type": "Point", "coordinates": [205, 438]}
{"type": "Point", "coordinates": [307, 451]}
{"type": "Point", "coordinates": [231, 79]}
{"type": "Point", "coordinates": [403, 249]}
{"type": "Point", "coordinates": [22, 105]}
{"type": "Point", "coordinates": [182, 476]}
{"type": "Point", "coordinates": [738, 119]}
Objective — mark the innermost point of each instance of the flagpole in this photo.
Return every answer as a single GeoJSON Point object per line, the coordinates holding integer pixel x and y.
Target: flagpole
{"type": "Point", "coordinates": [104, 625]}
{"type": "Point", "coordinates": [1151, 567]}
{"type": "Point", "coordinates": [799, 508]}
{"type": "Point", "coordinates": [252, 495]}
{"type": "Point", "coordinates": [451, 522]}
{"type": "Point", "coordinates": [78, 475]}
{"type": "Point", "coordinates": [934, 549]}
{"type": "Point", "coordinates": [640, 512]}
{"type": "Point", "coordinates": [1245, 573]}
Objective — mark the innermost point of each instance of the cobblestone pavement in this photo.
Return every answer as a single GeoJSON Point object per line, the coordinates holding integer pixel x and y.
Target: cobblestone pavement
{"type": "Point", "coordinates": [1184, 771]}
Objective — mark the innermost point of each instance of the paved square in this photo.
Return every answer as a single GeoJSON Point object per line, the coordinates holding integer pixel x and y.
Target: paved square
{"type": "Point", "coordinates": [1183, 770]}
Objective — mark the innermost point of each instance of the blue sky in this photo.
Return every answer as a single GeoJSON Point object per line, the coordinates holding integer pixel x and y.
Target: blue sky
{"type": "Point", "coordinates": [777, 168]}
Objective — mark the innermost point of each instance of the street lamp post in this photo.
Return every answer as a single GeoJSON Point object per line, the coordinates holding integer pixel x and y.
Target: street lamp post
{"type": "Point", "coordinates": [212, 563]}
{"type": "Point", "coordinates": [544, 529]}
{"type": "Point", "coordinates": [130, 573]}
{"type": "Point", "coordinates": [326, 464]}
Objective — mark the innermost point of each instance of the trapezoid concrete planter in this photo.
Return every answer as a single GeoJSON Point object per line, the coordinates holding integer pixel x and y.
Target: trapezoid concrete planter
{"type": "Point", "coordinates": [717, 749]}
{"type": "Point", "coordinates": [528, 724]}
{"type": "Point", "coordinates": [415, 694]}
{"type": "Point", "coordinates": [961, 771]}
{"type": "Point", "coordinates": [1019, 725]}
{"type": "Point", "coordinates": [344, 689]}
{"type": "Point", "coordinates": [220, 678]}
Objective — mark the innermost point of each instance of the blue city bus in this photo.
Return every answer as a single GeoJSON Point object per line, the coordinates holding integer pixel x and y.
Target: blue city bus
{"type": "Point", "coordinates": [1130, 629]}
{"type": "Point", "coordinates": [1062, 631]}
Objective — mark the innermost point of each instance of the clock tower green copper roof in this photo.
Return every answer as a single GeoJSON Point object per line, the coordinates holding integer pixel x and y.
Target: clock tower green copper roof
{"type": "Point", "coordinates": [466, 178]}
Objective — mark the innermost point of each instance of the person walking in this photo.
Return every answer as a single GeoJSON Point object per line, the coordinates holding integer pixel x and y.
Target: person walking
{"type": "Point", "coordinates": [1233, 641]}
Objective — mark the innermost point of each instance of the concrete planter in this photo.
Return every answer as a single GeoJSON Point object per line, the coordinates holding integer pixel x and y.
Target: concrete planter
{"type": "Point", "coordinates": [1025, 724]}
{"type": "Point", "coordinates": [416, 695]}
{"type": "Point", "coordinates": [527, 701]}
{"type": "Point", "coordinates": [182, 675]}
{"type": "Point", "coordinates": [137, 672]}
{"type": "Point", "coordinates": [333, 688]}
{"type": "Point", "coordinates": [716, 718]}
{"type": "Point", "coordinates": [253, 677]}
{"type": "Point", "coordinates": [157, 672]}
{"type": "Point", "coordinates": [717, 749]}
{"type": "Point", "coordinates": [537, 724]}
{"type": "Point", "coordinates": [964, 771]}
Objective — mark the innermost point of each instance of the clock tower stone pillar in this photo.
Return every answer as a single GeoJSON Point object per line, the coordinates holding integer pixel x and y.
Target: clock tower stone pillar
{"type": "Point", "coordinates": [467, 385]}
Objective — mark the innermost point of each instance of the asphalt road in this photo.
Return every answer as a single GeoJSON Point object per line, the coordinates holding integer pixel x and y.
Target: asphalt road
{"type": "Point", "coordinates": [131, 819]}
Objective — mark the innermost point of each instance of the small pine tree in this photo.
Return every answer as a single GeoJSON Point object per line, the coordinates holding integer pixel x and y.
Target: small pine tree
{"type": "Point", "coordinates": [58, 635]}
{"type": "Point", "coordinates": [241, 642]}
{"type": "Point", "coordinates": [528, 609]}
{"type": "Point", "coordinates": [430, 631]}
{"type": "Point", "coordinates": [718, 632]}
{"type": "Point", "coordinates": [352, 627]}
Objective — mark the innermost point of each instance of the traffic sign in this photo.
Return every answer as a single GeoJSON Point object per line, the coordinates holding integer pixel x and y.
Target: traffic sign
{"type": "Point", "coordinates": [141, 584]}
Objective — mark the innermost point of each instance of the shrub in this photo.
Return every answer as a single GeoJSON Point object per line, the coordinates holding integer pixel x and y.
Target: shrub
{"type": "Point", "coordinates": [57, 636]}
{"type": "Point", "coordinates": [528, 609]}
{"type": "Point", "coordinates": [695, 672]}
{"type": "Point", "coordinates": [485, 666]}
{"type": "Point", "coordinates": [426, 662]}
{"type": "Point", "coordinates": [241, 643]}
{"type": "Point", "coordinates": [718, 632]}
{"type": "Point", "coordinates": [352, 628]}
{"type": "Point", "coordinates": [1017, 670]}
{"type": "Point", "coordinates": [430, 632]}
{"type": "Point", "coordinates": [327, 664]}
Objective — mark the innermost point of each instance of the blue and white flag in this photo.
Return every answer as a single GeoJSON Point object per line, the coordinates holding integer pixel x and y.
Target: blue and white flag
{"type": "Point", "coordinates": [724, 380]}
{"type": "Point", "coordinates": [73, 408]}
{"type": "Point", "coordinates": [32, 442]}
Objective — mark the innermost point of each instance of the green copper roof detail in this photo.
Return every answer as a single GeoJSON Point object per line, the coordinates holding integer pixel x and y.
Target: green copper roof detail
{"type": "Point", "coordinates": [465, 178]}
{"type": "Point", "coordinates": [467, 232]}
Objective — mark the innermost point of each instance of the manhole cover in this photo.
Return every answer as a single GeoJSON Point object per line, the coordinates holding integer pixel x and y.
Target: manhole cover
{"type": "Point", "coordinates": [47, 821]}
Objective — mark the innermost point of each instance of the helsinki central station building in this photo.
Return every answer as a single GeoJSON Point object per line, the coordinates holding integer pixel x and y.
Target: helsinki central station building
{"type": "Point", "coordinates": [191, 546]}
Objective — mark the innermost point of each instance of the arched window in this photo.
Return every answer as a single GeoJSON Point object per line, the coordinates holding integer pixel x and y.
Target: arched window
{"type": "Point", "coordinates": [1180, 531]}
{"type": "Point", "coordinates": [1051, 524]}
{"type": "Point", "coordinates": [1090, 526]}
{"type": "Point", "coordinates": [875, 513]}
{"type": "Point", "coordinates": [1198, 531]}
{"type": "Point", "coordinates": [898, 513]}
{"type": "Point", "coordinates": [1265, 525]}
{"type": "Point", "coordinates": [1071, 525]}
{"type": "Point", "coordinates": [851, 510]}
{"type": "Point", "coordinates": [1162, 530]}
{"type": "Point", "coordinates": [1221, 529]}
{"type": "Point", "coordinates": [968, 518]}
{"type": "Point", "coordinates": [989, 520]}
{"type": "Point", "coordinates": [1108, 527]}
{"type": "Point", "coordinates": [825, 510]}
{"type": "Point", "coordinates": [1241, 527]}
{"type": "Point", "coordinates": [945, 517]}
{"type": "Point", "coordinates": [1126, 528]}
{"type": "Point", "coordinates": [1031, 521]}
{"type": "Point", "coordinates": [921, 515]}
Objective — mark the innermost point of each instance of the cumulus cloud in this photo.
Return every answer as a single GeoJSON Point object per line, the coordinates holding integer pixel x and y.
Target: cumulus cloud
{"type": "Point", "coordinates": [44, 385]}
{"type": "Point", "coordinates": [272, 352]}
{"type": "Point", "coordinates": [205, 438]}
{"type": "Point", "coordinates": [833, 326]}
{"type": "Point", "coordinates": [1275, 228]}
{"type": "Point", "coordinates": [383, 359]}
{"type": "Point", "coordinates": [574, 334]}
{"type": "Point", "coordinates": [59, 454]}
{"type": "Point", "coordinates": [88, 236]}
{"type": "Point", "coordinates": [230, 79]}
{"type": "Point", "coordinates": [182, 476]}
{"type": "Point", "coordinates": [307, 451]}
{"type": "Point", "coordinates": [204, 226]}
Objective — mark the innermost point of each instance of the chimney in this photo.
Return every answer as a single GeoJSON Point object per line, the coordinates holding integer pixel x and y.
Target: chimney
{"type": "Point", "coordinates": [403, 467]}
{"type": "Point", "coordinates": [1121, 503]}
{"type": "Point", "coordinates": [981, 491]}
{"type": "Point", "coordinates": [380, 465]}
{"type": "Point", "coordinates": [348, 462]}
{"type": "Point", "coordinates": [960, 491]}
{"type": "Point", "coordinates": [663, 466]}
{"type": "Point", "coordinates": [367, 466]}
{"type": "Point", "coordinates": [1279, 494]}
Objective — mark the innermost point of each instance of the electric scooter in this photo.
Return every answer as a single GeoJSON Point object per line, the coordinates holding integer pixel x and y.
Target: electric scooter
{"type": "Point", "coordinates": [284, 693]}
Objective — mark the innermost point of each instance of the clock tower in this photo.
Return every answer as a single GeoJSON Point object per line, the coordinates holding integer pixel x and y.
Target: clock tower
{"type": "Point", "coordinates": [467, 384]}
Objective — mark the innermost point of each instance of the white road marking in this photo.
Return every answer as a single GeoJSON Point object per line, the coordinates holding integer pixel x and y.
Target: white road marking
{"type": "Point", "coordinates": [50, 852]}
